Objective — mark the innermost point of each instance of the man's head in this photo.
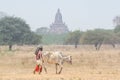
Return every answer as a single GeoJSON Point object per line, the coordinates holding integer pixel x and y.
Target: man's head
{"type": "Point", "coordinates": [40, 48]}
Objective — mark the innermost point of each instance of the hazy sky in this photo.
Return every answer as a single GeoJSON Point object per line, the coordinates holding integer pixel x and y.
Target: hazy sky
{"type": "Point", "coordinates": [77, 14]}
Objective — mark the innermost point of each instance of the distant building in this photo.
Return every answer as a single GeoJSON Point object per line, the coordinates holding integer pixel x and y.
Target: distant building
{"type": "Point", "coordinates": [58, 26]}
{"type": "Point", "coordinates": [116, 20]}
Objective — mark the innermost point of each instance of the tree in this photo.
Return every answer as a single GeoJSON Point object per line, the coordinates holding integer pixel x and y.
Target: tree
{"type": "Point", "coordinates": [117, 29]}
{"type": "Point", "coordinates": [31, 38]}
{"type": "Point", "coordinates": [73, 38]}
{"type": "Point", "coordinates": [98, 37]}
{"type": "Point", "coordinates": [42, 30]}
{"type": "Point", "coordinates": [13, 30]}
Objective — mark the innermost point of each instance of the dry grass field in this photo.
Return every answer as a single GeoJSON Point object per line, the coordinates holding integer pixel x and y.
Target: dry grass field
{"type": "Point", "coordinates": [88, 64]}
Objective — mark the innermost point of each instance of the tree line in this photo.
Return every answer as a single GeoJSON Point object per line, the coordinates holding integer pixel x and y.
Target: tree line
{"type": "Point", "coordinates": [14, 30]}
{"type": "Point", "coordinates": [96, 37]}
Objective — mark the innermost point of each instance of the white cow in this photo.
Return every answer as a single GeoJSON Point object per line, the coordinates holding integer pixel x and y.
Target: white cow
{"type": "Point", "coordinates": [56, 58]}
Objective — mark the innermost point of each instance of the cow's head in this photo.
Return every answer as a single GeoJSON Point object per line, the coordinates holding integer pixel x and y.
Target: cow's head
{"type": "Point", "coordinates": [69, 59]}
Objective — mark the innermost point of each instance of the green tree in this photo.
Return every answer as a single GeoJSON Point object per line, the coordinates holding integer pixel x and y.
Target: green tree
{"type": "Point", "coordinates": [73, 38]}
{"type": "Point", "coordinates": [31, 38]}
{"type": "Point", "coordinates": [13, 30]}
{"type": "Point", "coordinates": [117, 29]}
{"type": "Point", "coordinates": [98, 37]}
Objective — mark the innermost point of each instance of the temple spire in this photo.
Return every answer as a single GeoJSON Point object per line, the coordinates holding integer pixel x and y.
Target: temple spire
{"type": "Point", "coordinates": [58, 10]}
{"type": "Point", "coordinates": [58, 27]}
{"type": "Point", "coordinates": [58, 17]}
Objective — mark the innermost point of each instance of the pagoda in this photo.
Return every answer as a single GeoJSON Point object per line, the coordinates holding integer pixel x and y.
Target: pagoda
{"type": "Point", "coordinates": [58, 26]}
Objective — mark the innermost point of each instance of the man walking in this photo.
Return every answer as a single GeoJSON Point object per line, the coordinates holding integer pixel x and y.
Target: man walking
{"type": "Point", "coordinates": [39, 60]}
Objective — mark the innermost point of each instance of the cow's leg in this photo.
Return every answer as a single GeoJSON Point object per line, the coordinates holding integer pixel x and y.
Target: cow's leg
{"type": "Point", "coordinates": [45, 68]}
{"type": "Point", "coordinates": [60, 70]}
{"type": "Point", "coordinates": [56, 68]}
{"type": "Point", "coordinates": [61, 66]}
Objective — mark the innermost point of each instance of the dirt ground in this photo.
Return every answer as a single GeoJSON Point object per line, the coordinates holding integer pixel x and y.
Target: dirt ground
{"type": "Point", "coordinates": [88, 64]}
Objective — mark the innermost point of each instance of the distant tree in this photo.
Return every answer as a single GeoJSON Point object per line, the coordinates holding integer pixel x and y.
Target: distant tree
{"type": "Point", "coordinates": [42, 30]}
{"type": "Point", "coordinates": [31, 38]}
{"type": "Point", "coordinates": [117, 29]}
{"type": "Point", "coordinates": [73, 38]}
{"type": "Point", "coordinates": [13, 30]}
{"type": "Point", "coordinates": [98, 37]}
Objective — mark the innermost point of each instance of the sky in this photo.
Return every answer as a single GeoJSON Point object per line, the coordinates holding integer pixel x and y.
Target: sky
{"type": "Point", "coordinates": [77, 14]}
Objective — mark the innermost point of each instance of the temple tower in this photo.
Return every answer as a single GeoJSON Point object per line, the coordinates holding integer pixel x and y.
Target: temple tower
{"type": "Point", "coordinates": [58, 26]}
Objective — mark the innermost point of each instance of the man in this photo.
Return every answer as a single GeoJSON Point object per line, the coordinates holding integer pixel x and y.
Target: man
{"type": "Point", "coordinates": [39, 60]}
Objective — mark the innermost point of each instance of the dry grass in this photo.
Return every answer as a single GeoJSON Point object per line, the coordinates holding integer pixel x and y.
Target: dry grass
{"type": "Point", "coordinates": [88, 64]}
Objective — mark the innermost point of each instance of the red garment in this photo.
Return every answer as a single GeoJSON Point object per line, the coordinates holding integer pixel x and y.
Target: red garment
{"type": "Point", "coordinates": [39, 55]}
{"type": "Point", "coordinates": [38, 68]}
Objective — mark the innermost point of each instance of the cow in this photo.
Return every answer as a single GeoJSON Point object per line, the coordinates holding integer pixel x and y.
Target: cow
{"type": "Point", "coordinates": [56, 58]}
